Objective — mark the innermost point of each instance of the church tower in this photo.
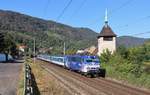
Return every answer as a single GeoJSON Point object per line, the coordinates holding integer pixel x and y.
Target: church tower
{"type": "Point", "coordinates": [106, 38]}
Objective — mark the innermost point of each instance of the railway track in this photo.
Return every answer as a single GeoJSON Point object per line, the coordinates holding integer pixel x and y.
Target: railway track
{"type": "Point", "coordinates": [77, 84]}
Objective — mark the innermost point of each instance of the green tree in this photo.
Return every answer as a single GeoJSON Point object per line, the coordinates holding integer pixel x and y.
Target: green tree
{"type": "Point", "coordinates": [105, 56]}
{"type": "Point", "coordinates": [7, 44]}
{"type": "Point", "coordinates": [71, 51]}
{"type": "Point", "coordinates": [1, 41]}
{"type": "Point", "coordinates": [123, 51]}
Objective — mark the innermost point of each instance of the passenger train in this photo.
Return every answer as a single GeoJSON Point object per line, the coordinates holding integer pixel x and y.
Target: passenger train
{"type": "Point", "coordinates": [84, 64]}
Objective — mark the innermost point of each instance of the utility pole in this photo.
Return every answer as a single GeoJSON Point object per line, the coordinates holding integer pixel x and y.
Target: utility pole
{"type": "Point", "coordinates": [64, 48]}
{"type": "Point", "coordinates": [34, 50]}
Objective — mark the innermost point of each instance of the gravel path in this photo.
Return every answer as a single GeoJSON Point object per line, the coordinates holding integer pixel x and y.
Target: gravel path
{"type": "Point", "coordinates": [81, 85]}
{"type": "Point", "coordinates": [9, 76]}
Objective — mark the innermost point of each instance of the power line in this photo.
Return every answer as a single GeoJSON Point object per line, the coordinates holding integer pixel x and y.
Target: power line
{"type": "Point", "coordinates": [46, 7]}
{"type": "Point", "coordinates": [138, 34]}
{"type": "Point", "coordinates": [63, 11]}
{"type": "Point", "coordinates": [60, 15]}
{"type": "Point", "coordinates": [121, 6]}
{"type": "Point", "coordinates": [142, 33]}
{"type": "Point", "coordinates": [133, 22]}
{"type": "Point", "coordinates": [112, 12]}
{"type": "Point", "coordinates": [78, 9]}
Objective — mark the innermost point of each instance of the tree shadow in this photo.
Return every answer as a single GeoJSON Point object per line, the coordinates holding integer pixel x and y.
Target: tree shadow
{"type": "Point", "coordinates": [34, 85]}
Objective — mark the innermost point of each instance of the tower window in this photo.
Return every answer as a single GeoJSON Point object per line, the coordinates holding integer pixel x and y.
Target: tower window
{"type": "Point", "coordinates": [108, 38]}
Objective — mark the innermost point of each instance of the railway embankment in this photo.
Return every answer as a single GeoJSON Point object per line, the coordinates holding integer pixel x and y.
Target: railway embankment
{"type": "Point", "coordinates": [46, 84]}
{"type": "Point", "coordinates": [27, 83]}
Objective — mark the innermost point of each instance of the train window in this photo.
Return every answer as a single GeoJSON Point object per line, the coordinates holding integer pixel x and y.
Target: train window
{"type": "Point", "coordinates": [75, 59]}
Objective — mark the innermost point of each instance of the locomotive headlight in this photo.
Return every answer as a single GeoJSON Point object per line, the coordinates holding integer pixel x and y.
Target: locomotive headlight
{"type": "Point", "coordinates": [85, 68]}
{"type": "Point", "coordinates": [88, 68]}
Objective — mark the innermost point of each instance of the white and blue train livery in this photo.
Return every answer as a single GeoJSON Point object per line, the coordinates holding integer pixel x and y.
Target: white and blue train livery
{"type": "Point", "coordinates": [85, 64]}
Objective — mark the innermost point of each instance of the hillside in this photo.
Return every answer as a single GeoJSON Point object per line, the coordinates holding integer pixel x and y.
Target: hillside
{"type": "Point", "coordinates": [48, 33]}
{"type": "Point", "coordinates": [51, 34]}
{"type": "Point", "coordinates": [129, 41]}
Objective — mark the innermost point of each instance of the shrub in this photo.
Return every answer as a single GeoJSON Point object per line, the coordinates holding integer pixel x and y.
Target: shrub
{"type": "Point", "coordinates": [105, 56]}
{"type": "Point", "coordinates": [128, 64]}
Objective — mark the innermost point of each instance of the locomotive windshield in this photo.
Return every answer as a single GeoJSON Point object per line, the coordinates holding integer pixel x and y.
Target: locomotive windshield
{"type": "Point", "coordinates": [92, 59]}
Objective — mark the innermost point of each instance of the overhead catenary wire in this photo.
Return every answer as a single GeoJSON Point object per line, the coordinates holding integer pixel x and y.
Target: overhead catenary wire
{"type": "Point", "coordinates": [78, 9]}
{"type": "Point", "coordinates": [46, 7]}
{"type": "Point", "coordinates": [121, 6]}
{"type": "Point", "coordinates": [112, 12]}
{"type": "Point", "coordinates": [59, 16]}
{"type": "Point", "coordinates": [126, 26]}
{"type": "Point", "coordinates": [133, 22]}
{"type": "Point", "coordinates": [138, 34]}
{"type": "Point", "coordinates": [142, 33]}
{"type": "Point", "coordinates": [63, 11]}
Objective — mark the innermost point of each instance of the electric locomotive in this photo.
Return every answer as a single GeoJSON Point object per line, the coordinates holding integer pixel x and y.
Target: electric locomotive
{"type": "Point", "coordinates": [85, 64]}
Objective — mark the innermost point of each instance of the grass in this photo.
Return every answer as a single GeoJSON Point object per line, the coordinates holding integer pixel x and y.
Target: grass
{"type": "Point", "coordinates": [46, 83]}
{"type": "Point", "coordinates": [20, 88]}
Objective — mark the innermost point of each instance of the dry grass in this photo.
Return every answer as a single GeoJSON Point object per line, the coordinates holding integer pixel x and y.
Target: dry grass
{"type": "Point", "coordinates": [20, 88]}
{"type": "Point", "coordinates": [46, 83]}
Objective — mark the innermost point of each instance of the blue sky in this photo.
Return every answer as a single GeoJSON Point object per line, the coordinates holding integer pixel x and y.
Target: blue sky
{"type": "Point", "coordinates": [126, 17]}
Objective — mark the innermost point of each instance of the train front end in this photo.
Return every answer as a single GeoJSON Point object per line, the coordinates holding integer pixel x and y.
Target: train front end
{"type": "Point", "coordinates": [91, 66]}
